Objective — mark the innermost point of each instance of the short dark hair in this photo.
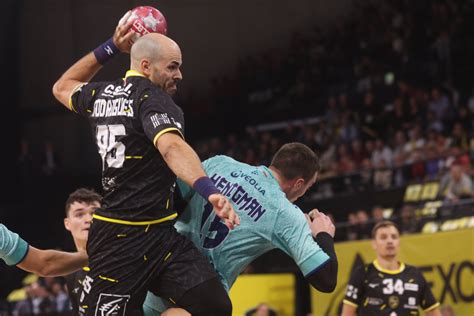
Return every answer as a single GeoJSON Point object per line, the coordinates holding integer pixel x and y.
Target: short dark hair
{"type": "Point", "coordinates": [295, 160]}
{"type": "Point", "coordinates": [82, 195]}
{"type": "Point", "coordinates": [383, 224]}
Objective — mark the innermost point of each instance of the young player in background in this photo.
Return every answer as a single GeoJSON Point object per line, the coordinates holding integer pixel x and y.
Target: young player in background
{"type": "Point", "coordinates": [80, 207]}
{"type": "Point", "coordinates": [388, 286]}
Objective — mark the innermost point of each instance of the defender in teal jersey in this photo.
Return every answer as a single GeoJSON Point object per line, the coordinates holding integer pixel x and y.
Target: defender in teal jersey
{"type": "Point", "coordinates": [15, 251]}
{"type": "Point", "coordinates": [262, 197]}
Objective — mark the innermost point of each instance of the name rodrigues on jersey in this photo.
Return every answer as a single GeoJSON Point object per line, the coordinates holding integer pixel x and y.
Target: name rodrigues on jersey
{"type": "Point", "coordinates": [115, 107]}
{"type": "Point", "coordinates": [239, 196]}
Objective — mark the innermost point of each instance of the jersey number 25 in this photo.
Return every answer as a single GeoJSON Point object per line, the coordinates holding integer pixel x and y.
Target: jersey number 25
{"type": "Point", "coordinates": [111, 150]}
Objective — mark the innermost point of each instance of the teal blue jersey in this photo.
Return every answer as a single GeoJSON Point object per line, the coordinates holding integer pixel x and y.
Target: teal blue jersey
{"type": "Point", "coordinates": [13, 249]}
{"type": "Point", "coordinates": [268, 220]}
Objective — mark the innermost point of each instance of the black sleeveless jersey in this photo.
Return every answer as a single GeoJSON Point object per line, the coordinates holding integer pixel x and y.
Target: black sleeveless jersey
{"type": "Point", "coordinates": [376, 291]}
{"type": "Point", "coordinates": [127, 117]}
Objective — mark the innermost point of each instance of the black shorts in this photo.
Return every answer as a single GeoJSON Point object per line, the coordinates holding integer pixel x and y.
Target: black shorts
{"type": "Point", "coordinates": [127, 261]}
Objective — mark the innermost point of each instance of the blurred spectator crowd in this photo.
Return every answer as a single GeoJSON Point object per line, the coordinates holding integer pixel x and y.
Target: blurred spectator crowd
{"type": "Point", "coordinates": [39, 296]}
{"type": "Point", "coordinates": [386, 85]}
{"type": "Point", "coordinates": [385, 98]}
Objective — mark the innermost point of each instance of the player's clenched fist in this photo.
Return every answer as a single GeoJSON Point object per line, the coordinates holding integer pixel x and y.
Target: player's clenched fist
{"type": "Point", "coordinates": [122, 36]}
{"type": "Point", "coordinates": [319, 222]}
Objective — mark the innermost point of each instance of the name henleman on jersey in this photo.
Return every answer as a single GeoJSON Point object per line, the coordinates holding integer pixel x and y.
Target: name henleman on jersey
{"type": "Point", "coordinates": [244, 201]}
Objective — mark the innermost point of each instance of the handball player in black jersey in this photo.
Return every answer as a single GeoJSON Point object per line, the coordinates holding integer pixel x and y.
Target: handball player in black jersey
{"type": "Point", "coordinates": [133, 246]}
{"type": "Point", "coordinates": [80, 207]}
{"type": "Point", "coordinates": [387, 286]}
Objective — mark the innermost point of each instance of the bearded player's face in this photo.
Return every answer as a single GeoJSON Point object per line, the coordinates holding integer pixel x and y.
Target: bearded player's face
{"type": "Point", "coordinates": [387, 242]}
{"type": "Point", "coordinates": [166, 72]}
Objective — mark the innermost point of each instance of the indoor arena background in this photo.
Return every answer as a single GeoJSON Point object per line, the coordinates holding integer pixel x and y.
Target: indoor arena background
{"type": "Point", "coordinates": [383, 91]}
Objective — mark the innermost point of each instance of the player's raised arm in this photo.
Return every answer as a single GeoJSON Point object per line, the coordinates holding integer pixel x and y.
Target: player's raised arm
{"type": "Point", "coordinates": [88, 66]}
{"type": "Point", "coordinates": [185, 163]}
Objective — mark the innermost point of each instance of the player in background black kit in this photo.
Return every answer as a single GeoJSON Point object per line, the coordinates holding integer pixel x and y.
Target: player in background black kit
{"type": "Point", "coordinates": [80, 207]}
{"type": "Point", "coordinates": [133, 246]}
{"type": "Point", "coordinates": [388, 286]}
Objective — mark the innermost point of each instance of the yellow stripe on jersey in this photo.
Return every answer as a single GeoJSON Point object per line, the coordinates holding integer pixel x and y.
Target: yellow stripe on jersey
{"type": "Point", "coordinates": [108, 279]}
{"type": "Point", "coordinates": [87, 269]}
{"type": "Point", "coordinates": [431, 307]}
{"type": "Point", "coordinates": [397, 271]}
{"type": "Point", "coordinates": [133, 73]}
{"type": "Point", "coordinates": [166, 130]}
{"type": "Point", "coordinates": [133, 157]}
{"type": "Point", "coordinates": [76, 88]}
{"type": "Point", "coordinates": [144, 223]}
{"type": "Point", "coordinates": [350, 303]}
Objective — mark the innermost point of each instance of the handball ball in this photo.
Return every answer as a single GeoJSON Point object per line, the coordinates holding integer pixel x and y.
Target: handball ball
{"type": "Point", "coordinates": [147, 20]}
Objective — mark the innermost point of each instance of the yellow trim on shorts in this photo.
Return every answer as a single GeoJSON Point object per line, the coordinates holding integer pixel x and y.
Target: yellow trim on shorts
{"type": "Point", "coordinates": [350, 303]}
{"type": "Point", "coordinates": [431, 307]}
{"type": "Point", "coordinates": [144, 223]}
{"type": "Point", "coordinates": [166, 130]}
